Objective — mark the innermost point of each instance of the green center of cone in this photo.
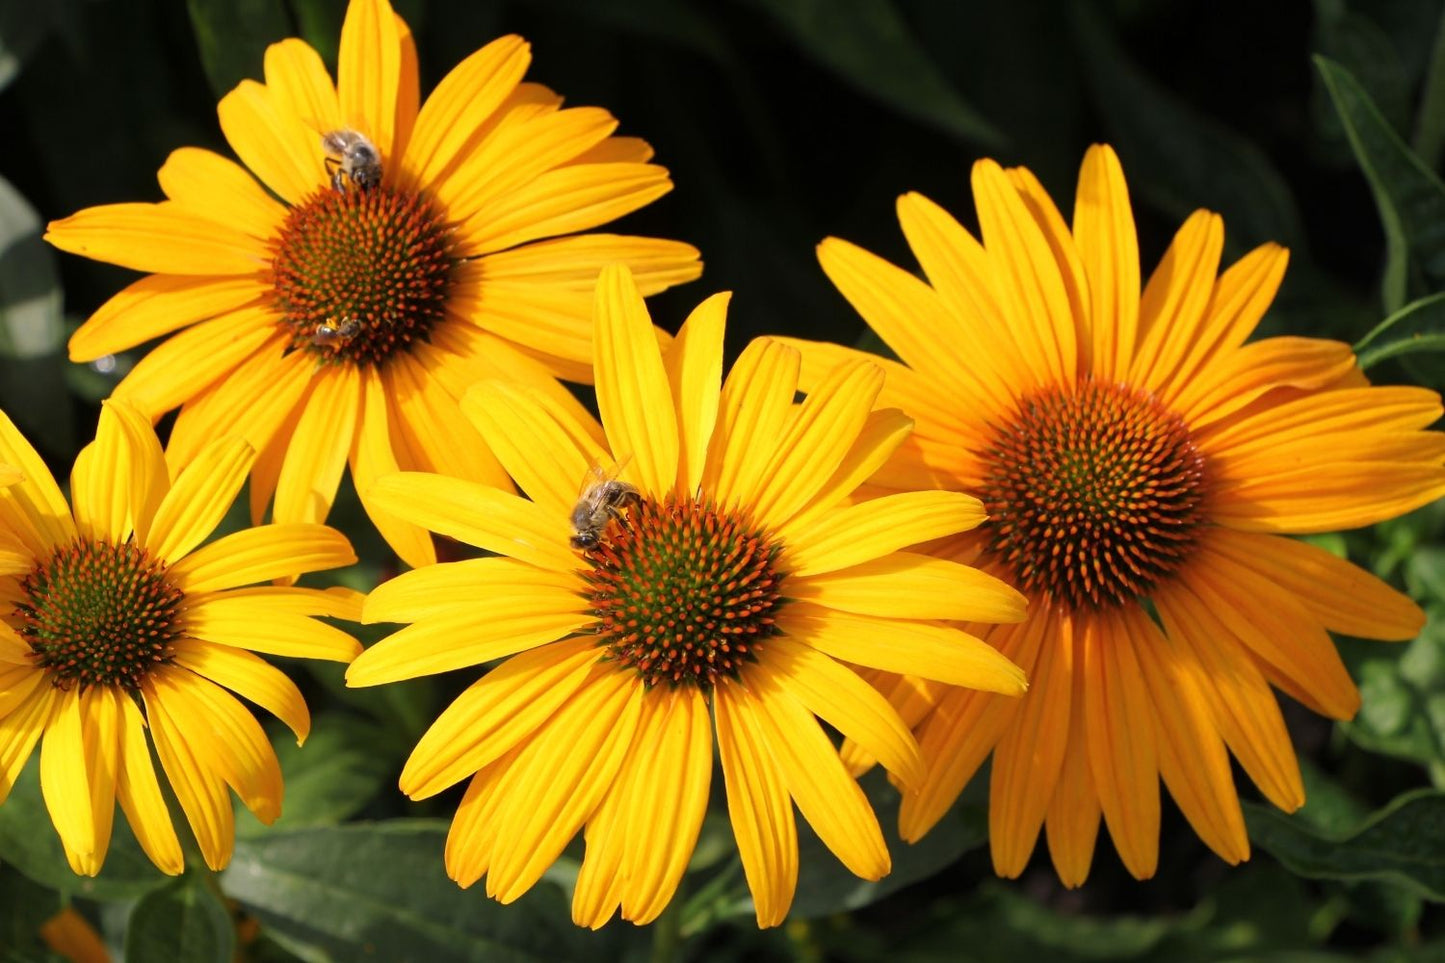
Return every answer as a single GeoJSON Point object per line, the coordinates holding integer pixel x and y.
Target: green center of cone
{"type": "Point", "coordinates": [359, 275]}
{"type": "Point", "coordinates": [683, 593]}
{"type": "Point", "coordinates": [96, 613]}
{"type": "Point", "coordinates": [1094, 494]}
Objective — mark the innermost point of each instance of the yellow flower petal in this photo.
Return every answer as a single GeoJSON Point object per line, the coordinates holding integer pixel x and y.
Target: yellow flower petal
{"type": "Point", "coordinates": [938, 652]}
{"type": "Point", "coordinates": [1343, 597]}
{"type": "Point", "coordinates": [871, 529]}
{"type": "Point", "coordinates": [20, 729]}
{"type": "Point", "coordinates": [1244, 709]}
{"type": "Point", "coordinates": [435, 433]}
{"type": "Point", "coordinates": [201, 792]}
{"type": "Point", "coordinates": [100, 483]}
{"type": "Point", "coordinates": [1119, 723]}
{"type": "Point", "coordinates": [164, 238]}
{"type": "Point", "coordinates": [559, 778]}
{"type": "Point", "coordinates": [250, 677]}
{"type": "Point", "coordinates": [1072, 821]}
{"type": "Point", "coordinates": [465, 99]}
{"type": "Point", "coordinates": [1109, 248]}
{"type": "Point", "coordinates": [1241, 296]}
{"type": "Point", "coordinates": [207, 185]}
{"type": "Point", "coordinates": [840, 698]}
{"type": "Point", "coordinates": [1028, 281]}
{"type": "Point", "coordinates": [633, 394]}
{"type": "Point", "coordinates": [260, 554]}
{"type": "Point", "coordinates": [694, 373]}
{"type": "Point", "coordinates": [758, 805]}
{"type": "Point", "coordinates": [241, 623]}
{"type": "Point", "coordinates": [473, 833]}
{"type": "Point", "coordinates": [541, 317]}
{"type": "Point", "coordinates": [573, 263]}
{"type": "Point", "coordinates": [817, 439]}
{"type": "Point", "coordinates": [67, 786]}
{"type": "Point", "coordinates": [458, 639]}
{"type": "Point", "coordinates": [369, 72]}
{"type": "Point", "coordinates": [882, 442]}
{"type": "Point", "coordinates": [562, 201]}
{"type": "Point", "coordinates": [905, 585]}
{"type": "Point", "coordinates": [547, 462]}
{"type": "Point", "coordinates": [496, 713]}
{"type": "Point", "coordinates": [829, 799]}
{"type": "Point", "coordinates": [519, 149]}
{"type": "Point", "coordinates": [33, 510]}
{"type": "Point", "coordinates": [437, 589]}
{"type": "Point", "coordinates": [1239, 378]}
{"type": "Point", "coordinates": [336, 602]}
{"type": "Point", "coordinates": [408, 88]}
{"type": "Point", "coordinates": [1276, 628]}
{"type": "Point", "coordinates": [1192, 756]}
{"type": "Point", "coordinates": [478, 355]}
{"type": "Point", "coordinates": [238, 749]}
{"type": "Point", "coordinates": [156, 305]}
{"type": "Point", "coordinates": [372, 458]}
{"type": "Point", "coordinates": [485, 517]}
{"type": "Point", "coordinates": [316, 456]}
{"type": "Point", "coordinates": [672, 776]}
{"type": "Point", "coordinates": [1030, 753]}
{"type": "Point", "coordinates": [175, 370]}
{"type": "Point", "coordinates": [300, 85]}
{"type": "Point", "coordinates": [912, 319]}
{"type": "Point", "coordinates": [140, 796]}
{"type": "Point", "coordinates": [756, 402]}
{"type": "Point", "coordinates": [258, 399]}
{"type": "Point", "coordinates": [1175, 299]}
{"type": "Point", "coordinates": [199, 499]}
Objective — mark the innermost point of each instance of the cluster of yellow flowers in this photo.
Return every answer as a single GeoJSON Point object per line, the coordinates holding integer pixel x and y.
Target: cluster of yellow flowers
{"type": "Point", "coordinates": [1068, 477]}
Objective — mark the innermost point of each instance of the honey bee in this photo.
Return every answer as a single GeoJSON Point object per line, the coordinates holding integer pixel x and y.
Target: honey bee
{"type": "Point", "coordinates": [603, 498]}
{"type": "Point", "coordinates": [350, 156]}
{"type": "Point", "coordinates": [330, 335]}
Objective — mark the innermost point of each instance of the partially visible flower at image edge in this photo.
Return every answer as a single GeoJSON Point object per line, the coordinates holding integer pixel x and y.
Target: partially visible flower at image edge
{"type": "Point", "coordinates": [1141, 464]}
{"type": "Point", "coordinates": [115, 622]}
{"type": "Point", "coordinates": [335, 324]}
{"type": "Point", "coordinates": [739, 579]}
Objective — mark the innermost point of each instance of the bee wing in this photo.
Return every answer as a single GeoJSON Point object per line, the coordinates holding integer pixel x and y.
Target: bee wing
{"type": "Point", "coordinates": [597, 475]}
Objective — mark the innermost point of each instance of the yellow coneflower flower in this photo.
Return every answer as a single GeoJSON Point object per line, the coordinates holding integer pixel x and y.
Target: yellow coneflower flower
{"type": "Point", "coordinates": [720, 569]}
{"type": "Point", "coordinates": [1133, 452]}
{"type": "Point", "coordinates": [336, 314]}
{"type": "Point", "coordinates": [115, 622]}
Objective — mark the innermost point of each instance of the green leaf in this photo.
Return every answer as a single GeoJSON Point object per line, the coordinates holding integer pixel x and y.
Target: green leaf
{"type": "Point", "coordinates": [1429, 139]}
{"type": "Point", "coordinates": [1418, 326]}
{"type": "Point", "coordinates": [1409, 197]}
{"type": "Point", "coordinates": [1256, 910]}
{"type": "Point", "coordinates": [32, 328]}
{"type": "Point", "coordinates": [870, 46]}
{"type": "Point", "coordinates": [1402, 689]}
{"type": "Point", "coordinates": [24, 908]}
{"type": "Point", "coordinates": [232, 36]}
{"type": "Point", "coordinates": [183, 921]}
{"type": "Point", "coordinates": [1178, 158]}
{"type": "Point", "coordinates": [29, 843]}
{"type": "Point", "coordinates": [333, 777]}
{"type": "Point", "coordinates": [1401, 843]}
{"type": "Point", "coordinates": [825, 886]}
{"type": "Point", "coordinates": [382, 886]}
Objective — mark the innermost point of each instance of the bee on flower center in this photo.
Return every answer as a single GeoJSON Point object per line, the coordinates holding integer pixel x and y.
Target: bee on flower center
{"type": "Point", "coordinates": [603, 498]}
{"type": "Point", "coordinates": [337, 336]}
{"type": "Point", "coordinates": [350, 156]}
